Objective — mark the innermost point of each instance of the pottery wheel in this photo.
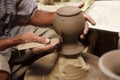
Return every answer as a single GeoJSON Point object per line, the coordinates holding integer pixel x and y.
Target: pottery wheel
{"type": "Point", "coordinates": [83, 67]}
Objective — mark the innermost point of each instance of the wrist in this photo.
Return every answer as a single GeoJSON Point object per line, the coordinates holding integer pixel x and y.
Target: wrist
{"type": "Point", "coordinates": [10, 42]}
{"type": "Point", "coordinates": [15, 40]}
{"type": "Point", "coordinates": [19, 39]}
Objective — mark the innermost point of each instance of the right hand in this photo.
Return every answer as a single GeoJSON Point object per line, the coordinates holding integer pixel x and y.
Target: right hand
{"type": "Point", "coordinates": [87, 19]}
{"type": "Point", "coordinates": [48, 48]}
{"type": "Point", "coordinates": [31, 37]}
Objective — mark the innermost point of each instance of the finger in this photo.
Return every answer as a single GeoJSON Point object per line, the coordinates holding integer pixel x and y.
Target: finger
{"type": "Point", "coordinates": [80, 5]}
{"type": "Point", "coordinates": [44, 49]}
{"type": "Point", "coordinates": [86, 28]}
{"type": "Point", "coordinates": [42, 40]}
{"type": "Point", "coordinates": [89, 19]}
{"type": "Point", "coordinates": [82, 36]}
{"type": "Point", "coordinates": [31, 37]}
{"type": "Point", "coordinates": [50, 46]}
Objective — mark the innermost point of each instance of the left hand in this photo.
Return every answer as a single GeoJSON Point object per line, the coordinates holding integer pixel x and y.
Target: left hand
{"type": "Point", "coordinates": [47, 48]}
{"type": "Point", "coordinates": [88, 19]}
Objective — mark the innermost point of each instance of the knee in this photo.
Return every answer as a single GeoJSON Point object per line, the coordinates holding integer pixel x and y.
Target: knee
{"type": "Point", "coordinates": [4, 75]}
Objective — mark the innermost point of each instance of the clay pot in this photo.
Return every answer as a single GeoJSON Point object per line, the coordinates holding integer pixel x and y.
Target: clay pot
{"type": "Point", "coordinates": [109, 64]}
{"type": "Point", "coordinates": [69, 23]}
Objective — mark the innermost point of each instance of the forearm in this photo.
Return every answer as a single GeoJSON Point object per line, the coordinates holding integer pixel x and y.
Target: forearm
{"type": "Point", "coordinates": [42, 18]}
{"type": "Point", "coordinates": [10, 42]}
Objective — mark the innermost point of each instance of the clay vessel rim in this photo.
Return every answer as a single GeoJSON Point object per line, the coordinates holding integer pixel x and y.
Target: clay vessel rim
{"type": "Point", "coordinates": [103, 68]}
{"type": "Point", "coordinates": [68, 11]}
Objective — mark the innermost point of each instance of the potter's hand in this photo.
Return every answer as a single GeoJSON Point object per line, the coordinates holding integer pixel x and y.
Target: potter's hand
{"type": "Point", "coordinates": [31, 37]}
{"type": "Point", "coordinates": [88, 19]}
{"type": "Point", "coordinates": [47, 48]}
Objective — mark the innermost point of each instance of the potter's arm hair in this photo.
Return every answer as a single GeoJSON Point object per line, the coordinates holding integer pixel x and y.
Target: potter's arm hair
{"type": "Point", "coordinates": [9, 42]}
{"type": "Point", "coordinates": [41, 17]}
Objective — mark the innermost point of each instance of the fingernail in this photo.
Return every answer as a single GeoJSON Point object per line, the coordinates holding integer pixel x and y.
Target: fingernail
{"type": "Point", "coordinates": [47, 40]}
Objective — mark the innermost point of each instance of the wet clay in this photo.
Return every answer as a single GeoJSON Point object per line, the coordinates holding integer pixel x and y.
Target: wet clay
{"type": "Point", "coordinates": [69, 23]}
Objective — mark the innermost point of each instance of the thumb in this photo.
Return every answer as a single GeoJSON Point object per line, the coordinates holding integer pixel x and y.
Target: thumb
{"type": "Point", "coordinates": [43, 40]}
{"type": "Point", "coordinates": [79, 5]}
